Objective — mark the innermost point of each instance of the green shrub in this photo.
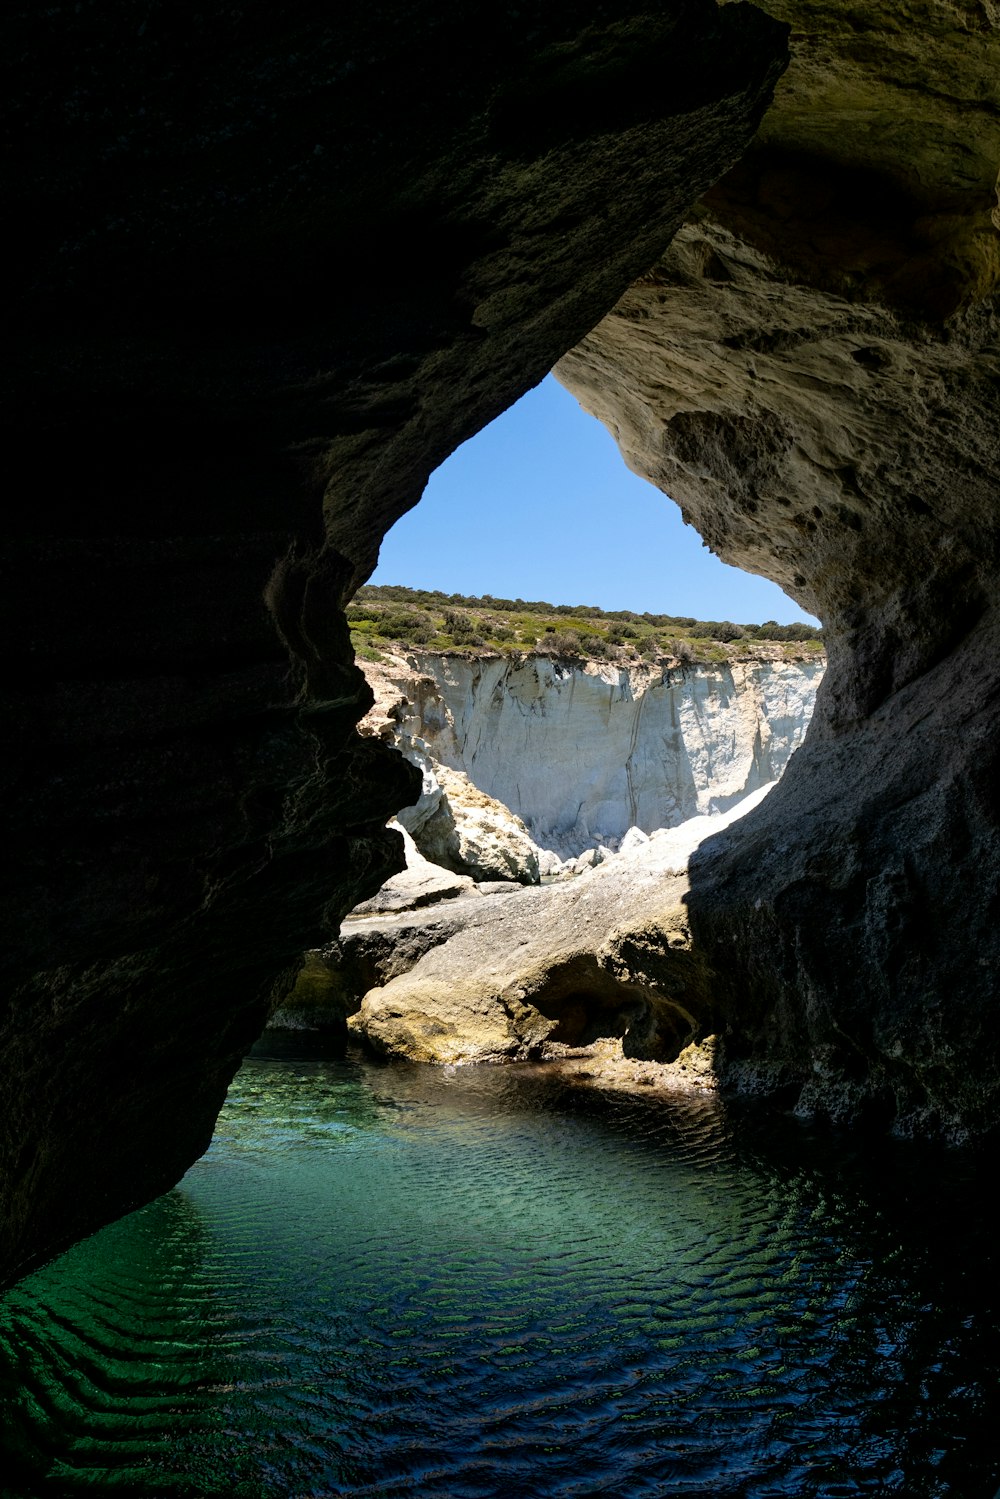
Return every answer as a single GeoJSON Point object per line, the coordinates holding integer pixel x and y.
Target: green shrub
{"type": "Point", "coordinates": [364, 651]}
{"type": "Point", "coordinates": [402, 613]}
{"type": "Point", "coordinates": [563, 643]}
{"type": "Point", "coordinates": [594, 645]}
{"type": "Point", "coordinates": [459, 626]}
{"type": "Point", "coordinates": [683, 650]}
{"type": "Point", "coordinates": [406, 624]}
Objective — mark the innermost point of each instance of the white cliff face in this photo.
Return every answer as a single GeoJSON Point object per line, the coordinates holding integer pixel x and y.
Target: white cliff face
{"type": "Point", "coordinates": [582, 753]}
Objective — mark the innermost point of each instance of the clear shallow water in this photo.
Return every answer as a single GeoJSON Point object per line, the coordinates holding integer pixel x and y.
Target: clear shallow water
{"type": "Point", "coordinates": [389, 1281]}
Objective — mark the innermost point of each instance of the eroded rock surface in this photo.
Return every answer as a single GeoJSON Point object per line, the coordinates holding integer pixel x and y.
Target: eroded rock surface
{"type": "Point", "coordinates": [463, 828]}
{"type": "Point", "coordinates": [421, 883]}
{"type": "Point", "coordinates": [532, 971]}
{"type": "Point", "coordinates": [516, 977]}
{"type": "Point", "coordinates": [368, 952]}
{"type": "Point", "coordinates": [812, 373]}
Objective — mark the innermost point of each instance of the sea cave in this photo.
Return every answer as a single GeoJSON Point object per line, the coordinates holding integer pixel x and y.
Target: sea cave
{"type": "Point", "coordinates": [268, 271]}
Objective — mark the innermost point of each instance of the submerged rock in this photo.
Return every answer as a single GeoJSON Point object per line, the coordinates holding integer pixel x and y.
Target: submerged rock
{"type": "Point", "coordinates": [603, 1065]}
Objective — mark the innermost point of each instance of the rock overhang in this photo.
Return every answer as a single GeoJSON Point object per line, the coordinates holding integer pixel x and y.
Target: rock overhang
{"type": "Point", "coordinates": [269, 272]}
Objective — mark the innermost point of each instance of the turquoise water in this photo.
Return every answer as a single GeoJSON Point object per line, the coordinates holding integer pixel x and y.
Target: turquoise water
{"type": "Point", "coordinates": [389, 1281]}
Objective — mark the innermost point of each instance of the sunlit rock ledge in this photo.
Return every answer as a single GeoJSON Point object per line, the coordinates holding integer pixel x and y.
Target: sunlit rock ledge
{"type": "Point", "coordinates": [529, 973]}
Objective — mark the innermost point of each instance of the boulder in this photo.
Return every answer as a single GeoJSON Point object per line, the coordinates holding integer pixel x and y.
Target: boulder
{"type": "Point", "coordinates": [606, 954]}
{"type": "Point", "coordinates": [589, 859]}
{"type": "Point", "coordinates": [633, 839]}
{"type": "Point", "coordinates": [421, 883]}
{"type": "Point", "coordinates": [557, 964]}
{"type": "Point", "coordinates": [474, 833]}
{"type": "Point", "coordinates": [550, 866]}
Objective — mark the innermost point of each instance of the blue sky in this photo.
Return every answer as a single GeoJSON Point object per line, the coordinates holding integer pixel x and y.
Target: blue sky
{"type": "Point", "coordinates": [539, 505]}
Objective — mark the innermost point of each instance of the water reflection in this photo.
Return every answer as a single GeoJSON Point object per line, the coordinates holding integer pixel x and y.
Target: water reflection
{"type": "Point", "coordinates": [389, 1281]}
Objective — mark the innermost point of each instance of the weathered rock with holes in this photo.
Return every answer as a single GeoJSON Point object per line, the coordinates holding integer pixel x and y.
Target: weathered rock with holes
{"type": "Point", "coordinates": [849, 448]}
{"type": "Point", "coordinates": [564, 963]}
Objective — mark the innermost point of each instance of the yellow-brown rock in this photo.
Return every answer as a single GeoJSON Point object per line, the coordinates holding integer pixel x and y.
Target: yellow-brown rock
{"type": "Point", "coordinates": [877, 165]}
{"type": "Point", "coordinates": [607, 954]}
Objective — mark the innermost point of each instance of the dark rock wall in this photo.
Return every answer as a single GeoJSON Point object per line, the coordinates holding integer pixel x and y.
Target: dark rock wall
{"type": "Point", "coordinates": [270, 267]}
{"type": "Point", "coordinates": [829, 421]}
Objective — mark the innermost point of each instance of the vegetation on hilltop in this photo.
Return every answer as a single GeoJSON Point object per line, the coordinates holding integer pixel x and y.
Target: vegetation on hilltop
{"type": "Point", "coordinates": [381, 616]}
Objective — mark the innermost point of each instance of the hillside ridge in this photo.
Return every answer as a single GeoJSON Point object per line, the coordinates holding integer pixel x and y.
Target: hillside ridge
{"type": "Point", "coordinates": [383, 617]}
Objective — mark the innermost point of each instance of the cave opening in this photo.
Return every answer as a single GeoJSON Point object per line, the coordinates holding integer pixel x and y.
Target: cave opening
{"type": "Point", "coordinates": [554, 738]}
{"type": "Point", "coordinates": [483, 582]}
{"type": "Point", "coordinates": [540, 505]}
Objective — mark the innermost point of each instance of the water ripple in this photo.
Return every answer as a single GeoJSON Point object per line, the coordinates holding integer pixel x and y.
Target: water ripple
{"type": "Point", "coordinates": [382, 1282]}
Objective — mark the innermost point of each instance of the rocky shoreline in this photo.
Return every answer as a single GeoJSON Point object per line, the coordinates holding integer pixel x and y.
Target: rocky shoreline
{"type": "Point", "coordinates": [490, 947]}
{"type": "Point", "coordinates": [594, 971]}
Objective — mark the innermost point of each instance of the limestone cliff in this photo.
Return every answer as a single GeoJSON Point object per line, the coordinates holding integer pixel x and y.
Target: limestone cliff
{"type": "Point", "coordinates": [583, 751]}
